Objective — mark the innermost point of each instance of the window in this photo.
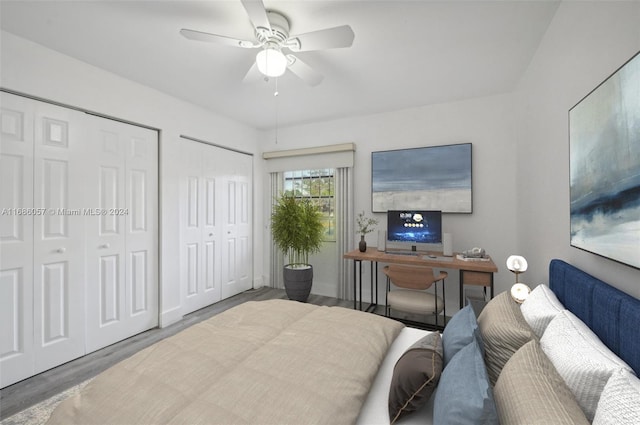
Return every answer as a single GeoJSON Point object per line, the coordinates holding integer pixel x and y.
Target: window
{"type": "Point", "coordinates": [319, 187]}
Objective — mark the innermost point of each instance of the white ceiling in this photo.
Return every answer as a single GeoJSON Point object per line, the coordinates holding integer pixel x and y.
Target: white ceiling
{"type": "Point", "coordinates": [405, 53]}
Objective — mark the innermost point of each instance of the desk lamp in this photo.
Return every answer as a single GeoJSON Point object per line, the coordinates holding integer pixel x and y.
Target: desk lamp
{"type": "Point", "coordinates": [519, 291]}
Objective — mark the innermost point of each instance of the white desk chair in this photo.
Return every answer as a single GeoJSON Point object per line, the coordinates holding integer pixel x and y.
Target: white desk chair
{"type": "Point", "coordinates": [411, 295]}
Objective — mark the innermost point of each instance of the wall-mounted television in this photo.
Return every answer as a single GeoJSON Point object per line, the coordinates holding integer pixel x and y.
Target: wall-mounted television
{"type": "Point", "coordinates": [421, 229]}
{"type": "Point", "coordinates": [429, 178]}
{"type": "Point", "coordinates": [604, 167]}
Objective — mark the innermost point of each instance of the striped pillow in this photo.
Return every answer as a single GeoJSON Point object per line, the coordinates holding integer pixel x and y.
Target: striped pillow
{"type": "Point", "coordinates": [504, 330]}
{"type": "Point", "coordinates": [620, 401]}
{"type": "Point", "coordinates": [582, 360]}
{"type": "Point", "coordinates": [529, 391]}
{"type": "Point", "coordinates": [540, 307]}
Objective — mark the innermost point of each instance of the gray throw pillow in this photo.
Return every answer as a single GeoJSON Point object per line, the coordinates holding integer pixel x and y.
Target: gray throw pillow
{"type": "Point", "coordinates": [415, 376]}
{"type": "Point", "coordinates": [459, 332]}
{"type": "Point", "coordinates": [464, 395]}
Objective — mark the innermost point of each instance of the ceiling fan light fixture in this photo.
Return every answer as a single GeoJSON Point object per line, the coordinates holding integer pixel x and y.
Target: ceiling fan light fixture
{"type": "Point", "coordinates": [271, 61]}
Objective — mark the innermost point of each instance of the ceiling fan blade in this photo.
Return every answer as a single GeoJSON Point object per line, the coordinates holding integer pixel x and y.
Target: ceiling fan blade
{"type": "Point", "coordinates": [257, 13]}
{"type": "Point", "coordinates": [304, 71]}
{"type": "Point", "coordinates": [253, 75]}
{"type": "Point", "coordinates": [214, 38]}
{"type": "Point", "coordinates": [330, 38]}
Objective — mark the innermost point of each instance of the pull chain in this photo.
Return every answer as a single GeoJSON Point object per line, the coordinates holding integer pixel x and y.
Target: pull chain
{"type": "Point", "coordinates": [275, 94]}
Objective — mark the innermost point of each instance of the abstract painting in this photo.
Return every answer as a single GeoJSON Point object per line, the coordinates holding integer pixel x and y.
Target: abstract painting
{"type": "Point", "coordinates": [428, 178]}
{"type": "Point", "coordinates": [604, 143]}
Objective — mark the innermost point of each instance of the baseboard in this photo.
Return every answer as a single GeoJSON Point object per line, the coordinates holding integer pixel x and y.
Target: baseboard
{"type": "Point", "coordinates": [258, 282]}
{"type": "Point", "coordinates": [170, 317]}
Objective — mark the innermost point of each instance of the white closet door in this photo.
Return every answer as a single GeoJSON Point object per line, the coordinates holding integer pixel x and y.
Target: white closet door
{"type": "Point", "coordinates": [16, 239]}
{"type": "Point", "coordinates": [42, 258]}
{"type": "Point", "coordinates": [237, 263]}
{"type": "Point", "coordinates": [215, 224]}
{"type": "Point", "coordinates": [142, 234]}
{"type": "Point", "coordinates": [58, 276]}
{"type": "Point", "coordinates": [122, 232]}
{"type": "Point", "coordinates": [237, 255]}
{"type": "Point", "coordinates": [199, 227]}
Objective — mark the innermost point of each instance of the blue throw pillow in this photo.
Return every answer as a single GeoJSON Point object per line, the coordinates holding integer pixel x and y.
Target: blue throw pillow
{"type": "Point", "coordinates": [464, 395]}
{"type": "Point", "coordinates": [459, 332]}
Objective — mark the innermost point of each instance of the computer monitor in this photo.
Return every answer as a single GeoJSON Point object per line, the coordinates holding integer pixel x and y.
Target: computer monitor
{"type": "Point", "coordinates": [414, 229]}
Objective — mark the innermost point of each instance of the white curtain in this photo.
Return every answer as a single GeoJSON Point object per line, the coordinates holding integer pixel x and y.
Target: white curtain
{"type": "Point", "coordinates": [277, 257]}
{"type": "Point", "coordinates": [344, 230]}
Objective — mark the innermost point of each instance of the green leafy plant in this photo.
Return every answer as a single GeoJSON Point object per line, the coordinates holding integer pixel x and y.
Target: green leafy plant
{"type": "Point", "coordinates": [296, 226]}
{"type": "Point", "coordinates": [365, 224]}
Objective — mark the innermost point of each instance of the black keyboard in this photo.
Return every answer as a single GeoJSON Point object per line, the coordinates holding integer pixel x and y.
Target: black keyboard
{"type": "Point", "coordinates": [402, 253]}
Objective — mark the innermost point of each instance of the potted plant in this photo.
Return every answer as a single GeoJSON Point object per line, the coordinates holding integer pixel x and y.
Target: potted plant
{"type": "Point", "coordinates": [296, 226]}
{"type": "Point", "coordinates": [365, 225]}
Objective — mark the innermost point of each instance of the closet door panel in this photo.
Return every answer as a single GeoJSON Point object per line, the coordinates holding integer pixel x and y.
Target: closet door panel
{"type": "Point", "coordinates": [199, 231]}
{"type": "Point", "coordinates": [16, 239]}
{"type": "Point", "coordinates": [142, 228]}
{"type": "Point", "coordinates": [122, 233]}
{"type": "Point", "coordinates": [210, 232]}
{"type": "Point", "coordinates": [139, 274]}
{"type": "Point", "coordinates": [105, 277]}
{"type": "Point", "coordinates": [229, 254]}
{"type": "Point", "coordinates": [245, 253]}
{"type": "Point", "coordinates": [191, 222]}
{"type": "Point", "coordinates": [237, 260]}
{"type": "Point", "coordinates": [58, 236]}
{"type": "Point", "coordinates": [110, 293]}
{"type": "Point", "coordinates": [12, 343]}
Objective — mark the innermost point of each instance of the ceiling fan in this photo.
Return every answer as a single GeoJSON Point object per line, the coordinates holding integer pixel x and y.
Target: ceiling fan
{"type": "Point", "coordinates": [272, 37]}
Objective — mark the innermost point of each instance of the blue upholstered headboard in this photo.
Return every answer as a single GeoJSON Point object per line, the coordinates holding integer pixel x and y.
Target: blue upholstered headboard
{"type": "Point", "coordinates": [613, 315]}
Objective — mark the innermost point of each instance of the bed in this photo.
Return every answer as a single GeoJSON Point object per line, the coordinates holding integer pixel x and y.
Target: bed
{"type": "Point", "coordinates": [283, 362]}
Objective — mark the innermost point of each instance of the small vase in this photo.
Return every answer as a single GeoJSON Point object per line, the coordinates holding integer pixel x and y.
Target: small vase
{"type": "Point", "coordinates": [363, 244]}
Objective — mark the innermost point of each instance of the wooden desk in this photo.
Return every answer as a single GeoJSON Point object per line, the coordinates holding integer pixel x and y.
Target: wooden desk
{"type": "Point", "coordinates": [471, 272]}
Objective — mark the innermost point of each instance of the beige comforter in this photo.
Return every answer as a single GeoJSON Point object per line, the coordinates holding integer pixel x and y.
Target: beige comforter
{"type": "Point", "coordinates": [265, 362]}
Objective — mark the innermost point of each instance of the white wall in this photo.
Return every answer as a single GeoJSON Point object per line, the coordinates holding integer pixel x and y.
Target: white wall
{"type": "Point", "coordinates": [520, 143]}
{"type": "Point", "coordinates": [584, 44]}
{"type": "Point", "coordinates": [31, 69]}
{"type": "Point", "coordinates": [487, 123]}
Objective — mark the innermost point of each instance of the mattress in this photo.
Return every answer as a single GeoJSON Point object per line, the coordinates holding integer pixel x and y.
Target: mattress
{"type": "Point", "coordinates": [267, 362]}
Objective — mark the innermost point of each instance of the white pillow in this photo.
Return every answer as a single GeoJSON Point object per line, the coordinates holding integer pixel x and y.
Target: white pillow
{"type": "Point", "coordinates": [620, 401]}
{"type": "Point", "coordinates": [582, 360]}
{"type": "Point", "coordinates": [540, 307]}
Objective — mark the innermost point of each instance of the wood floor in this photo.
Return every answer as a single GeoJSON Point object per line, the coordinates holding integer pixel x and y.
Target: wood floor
{"type": "Point", "coordinates": [21, 395]}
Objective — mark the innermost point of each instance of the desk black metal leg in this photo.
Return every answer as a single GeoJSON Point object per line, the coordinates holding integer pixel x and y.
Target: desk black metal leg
{"type": "Point", "coordinates": [461, 284]}
{"type": "Point", "coordinates": [386, 297]}
{"type": "Point", "coordinates": [491, 285]}
{"type": "Point", "coordinates": [360, 284]}
{"type": "Point", "coordinates": [435, 290]}
{"type": "Point", "coordinates": [355, 298]}
{"type": "Point", "coordinates": [444, 300]}
{"type": "Point", "coordinates": [376, 283]}
{"type": "Point", "coordinates": [371, 285]}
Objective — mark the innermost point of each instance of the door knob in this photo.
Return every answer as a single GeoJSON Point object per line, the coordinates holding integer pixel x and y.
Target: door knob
{"type": "Point", "coordinates": [61, 250]}
{"type": "Point", "coordinates": [104, 246]}
{"type": "Point", "coordinates": [210, 234]}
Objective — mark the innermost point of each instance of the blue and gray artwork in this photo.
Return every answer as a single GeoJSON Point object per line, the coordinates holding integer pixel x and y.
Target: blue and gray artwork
{"type": "Point", "coordinates": [430, 178]}
{"type": "Point", "coordinates": [605, 168]}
